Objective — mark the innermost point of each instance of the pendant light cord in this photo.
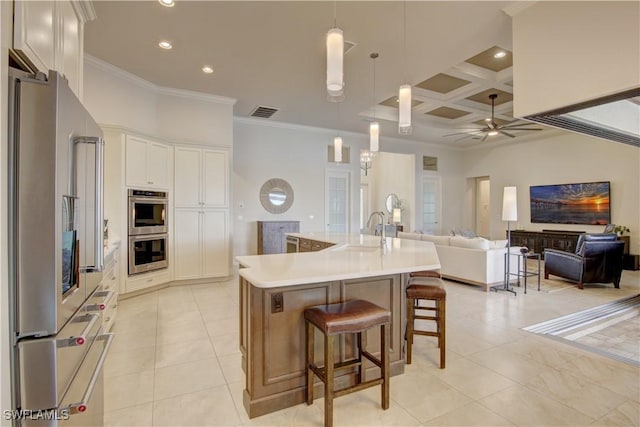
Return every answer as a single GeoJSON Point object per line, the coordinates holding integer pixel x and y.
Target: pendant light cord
{"type": "Point", "coordinates": [404, 36]}
{"type": "Point", "coordinates": [335, 8]}
{"type": "Point", "coordinates": [374, 56]}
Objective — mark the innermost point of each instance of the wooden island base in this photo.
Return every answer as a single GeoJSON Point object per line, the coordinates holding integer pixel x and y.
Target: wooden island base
{"type": "Point", "coordinates": [272, 336]}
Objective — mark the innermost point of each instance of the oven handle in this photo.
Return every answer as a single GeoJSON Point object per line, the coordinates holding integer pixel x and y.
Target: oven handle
{"type": "Point", "coordinates": [154, 200]}
{"type": "Point", "coordinates": [82, 338]}
{"type": "Point", "coordinates": [108, 296]}
{"type": "Point", "coordinates": [143, 237]}
{"type": "Point", "coordinates": [81, 406]}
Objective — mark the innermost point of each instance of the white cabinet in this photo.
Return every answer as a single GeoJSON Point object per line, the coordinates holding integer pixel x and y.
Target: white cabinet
{"type": "Point", "coordinates": [201, 216]}
{"type": "Point", "coordinates": [201, 243]}
{"type": "Point", "coordinates": [111, 283]}
{"type": "Point", "coordinates": [47, 35]}
{"type": "Point", "coordinates": [148, 163]}
{"type": "Point", "coordinates": [201, 177]}
{"type": "Point", "coordinates": [33, 32]}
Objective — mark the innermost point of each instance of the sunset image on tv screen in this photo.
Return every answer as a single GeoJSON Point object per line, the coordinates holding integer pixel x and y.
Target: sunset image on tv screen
{"type": "Point", "coordinates": [586, 203]}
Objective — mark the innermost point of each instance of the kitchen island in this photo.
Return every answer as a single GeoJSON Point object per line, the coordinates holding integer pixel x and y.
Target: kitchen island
{"type": "Point", "coordinates": [275, 290]}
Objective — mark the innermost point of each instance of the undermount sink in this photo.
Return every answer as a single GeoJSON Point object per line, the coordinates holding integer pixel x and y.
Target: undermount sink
{"type": "Point", "coordinates": [358, 248]}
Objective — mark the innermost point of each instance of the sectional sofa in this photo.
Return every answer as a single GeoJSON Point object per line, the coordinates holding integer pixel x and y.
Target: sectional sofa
{"type": "Point", "coordinates": [475, 261]}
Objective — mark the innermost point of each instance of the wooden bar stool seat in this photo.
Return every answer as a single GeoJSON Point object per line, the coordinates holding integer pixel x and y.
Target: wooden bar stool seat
{"type": "Point", "coordinates": [426, 287]}
{"type": "Point", "coordinates": [355, 316]}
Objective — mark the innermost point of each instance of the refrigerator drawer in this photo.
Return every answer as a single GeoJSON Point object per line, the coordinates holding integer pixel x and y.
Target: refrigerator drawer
{"type": "Point", "coordinates": [48, 365]}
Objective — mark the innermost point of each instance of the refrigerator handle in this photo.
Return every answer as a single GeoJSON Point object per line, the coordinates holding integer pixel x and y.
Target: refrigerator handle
{"type": "Point", "coordinates": [81, 406]}
{"type": "Point", "coordinates": [99, 187]}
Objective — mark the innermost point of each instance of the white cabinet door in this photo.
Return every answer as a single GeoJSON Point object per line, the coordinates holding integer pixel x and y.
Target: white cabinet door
{"type": "Point", "coordinates": [215, 243]}
{"type": "Point", "coordinates": [187, 177]}
{"type": "Point", "coordinates": [187, 237]}
{"type": "Point", "coordinates": [69, 59]}
{"type": "Point", "coordinates": [148, 163]}
{"type": "Point", "coordinates": [33, 32]}
{"type": "Point", "coordinates": [216, 179]}
{"type": "Point", "coordinates": [158, 164]}
{"type": "Point", "coordinates": [136, 158]}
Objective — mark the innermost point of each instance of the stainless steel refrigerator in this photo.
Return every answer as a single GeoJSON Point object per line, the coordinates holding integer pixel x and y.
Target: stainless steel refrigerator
{"type": "Point", "coordinates": [56, 254]}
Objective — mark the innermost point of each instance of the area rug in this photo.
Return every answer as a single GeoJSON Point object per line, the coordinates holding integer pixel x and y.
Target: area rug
{"type": "Point", "coordinates": [610, 329]}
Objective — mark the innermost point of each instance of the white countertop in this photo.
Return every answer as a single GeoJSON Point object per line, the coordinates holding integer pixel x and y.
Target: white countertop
{"type": "Point", "coordinates": [353, 256]}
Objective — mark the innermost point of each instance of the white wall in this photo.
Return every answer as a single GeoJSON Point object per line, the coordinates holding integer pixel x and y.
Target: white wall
{"type": "Point", "coordinates": [393, 173]}
{"type": "Point", "coordinates": [116, 97]}
{"type": "Point", "coordinates": [266, 149]}
{"type": "Point", "coordinates": [561, 158]}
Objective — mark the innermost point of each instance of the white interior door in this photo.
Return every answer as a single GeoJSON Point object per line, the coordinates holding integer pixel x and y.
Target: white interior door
{"type": "Point", "coordinates": [337, 201]}
{"type": "Point", "coordinates": [483, 192]}
{"type": "Point", "coordinates": [431, 204]}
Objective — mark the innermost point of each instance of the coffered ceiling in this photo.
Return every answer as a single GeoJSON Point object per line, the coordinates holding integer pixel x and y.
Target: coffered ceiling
{"type": "Point", "coordinates": [272, 54]}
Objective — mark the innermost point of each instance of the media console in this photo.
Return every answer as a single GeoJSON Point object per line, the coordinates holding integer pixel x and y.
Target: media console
{"type": "Point", "coordinates": [538, 241]}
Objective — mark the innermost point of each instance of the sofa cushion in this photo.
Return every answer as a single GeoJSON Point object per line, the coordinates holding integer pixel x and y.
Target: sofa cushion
{"type": "Point", "coordinates": [497, 244]}
{"type": "Point", "coordinates": [474, 243]}
{"type": "Point", "coordinates": [410, 236]}
{"type": "Point", "coordinates": [436, 240]}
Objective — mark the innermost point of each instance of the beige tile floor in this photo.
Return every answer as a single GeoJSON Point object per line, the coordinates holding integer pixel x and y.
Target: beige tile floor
{"type": "Point", "coordinates": [175, 362]}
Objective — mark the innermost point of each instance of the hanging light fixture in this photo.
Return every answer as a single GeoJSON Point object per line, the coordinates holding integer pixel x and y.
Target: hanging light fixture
{"type": "Point", "coordinates": [335, 60]}
{"type": "Point", "coordinates": [404, 94]}
{"type": "Point", "coordinates": [374, 126]}
{"type": "Point", "coordinates": [337, 149]}
{"type": "Point", "coordinates": [366, 157]}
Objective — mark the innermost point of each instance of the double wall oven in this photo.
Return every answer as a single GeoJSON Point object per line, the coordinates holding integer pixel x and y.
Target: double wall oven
{"type": "Point", "coordinates": [148, 231]}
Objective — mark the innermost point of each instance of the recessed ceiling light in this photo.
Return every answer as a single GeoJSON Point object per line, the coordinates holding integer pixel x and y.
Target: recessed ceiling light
{"type": "Point", "coordinates": [207, 70]}
{"type": "Point", "coordinates": [500, 54]}
{"type": "Point", "coordinates": [165, 45]}
{"type": "Point", "coordinates": [167, 3]}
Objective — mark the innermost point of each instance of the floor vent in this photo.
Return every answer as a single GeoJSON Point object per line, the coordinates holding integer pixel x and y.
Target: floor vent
{"type": "Point", "coordinates": [263, 112]}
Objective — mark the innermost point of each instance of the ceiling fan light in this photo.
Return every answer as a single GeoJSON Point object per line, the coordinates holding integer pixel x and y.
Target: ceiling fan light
{"type": "Point", "coordinates": [404, 117]}
{"type": "Point", "coordinates": [492, 132]}
{"type": "Point", "coordinates": [335, 57]}
{"type": "Point", "coordinates": [337, 149]}
{"type": "Point", "coordinates": [374, 136]}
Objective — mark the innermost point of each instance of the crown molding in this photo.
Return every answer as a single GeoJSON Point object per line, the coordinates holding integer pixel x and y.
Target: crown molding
{"type": "Point", "coordinates": [161, 90]}
{"type": "Point", "coordinates": [84, 10]}
{"type": "Point", "coordinates": [515, 8]}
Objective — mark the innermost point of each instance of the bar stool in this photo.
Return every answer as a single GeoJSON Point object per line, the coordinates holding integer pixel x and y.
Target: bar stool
{"type": "Point", "coordinates": [428, 286]}
{"type": "Point", "coordinates": [355, 316]}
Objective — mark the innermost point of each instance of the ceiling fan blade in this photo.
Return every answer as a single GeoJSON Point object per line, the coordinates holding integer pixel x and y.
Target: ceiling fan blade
{"type": "Point", "coordinates": [485, 137]}
{"type": "Point", "coordinates": [507, 133]}
{"type": "Point", "coordinates": [469, 132]}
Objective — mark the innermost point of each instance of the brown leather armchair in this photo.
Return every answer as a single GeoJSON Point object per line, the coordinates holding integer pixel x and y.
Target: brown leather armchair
{"type": "Point", "coordinates": [598, 259]}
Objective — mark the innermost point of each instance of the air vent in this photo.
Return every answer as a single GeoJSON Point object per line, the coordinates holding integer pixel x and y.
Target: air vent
{"type": "Point", "coordinates": [263, 112]}
{"type": "Point", "coordinates": [429, 163]}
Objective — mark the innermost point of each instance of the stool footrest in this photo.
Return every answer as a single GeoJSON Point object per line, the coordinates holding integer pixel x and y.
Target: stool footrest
{"type": "Point", "coordinates": [426, 333]}
{"type": "Point", "coordinates": [425, 317]}
{"type": "Point", "coordinates": [320, 370]}
{"type": "Point", "coordinates": [357, 387]}
{"type": "Point", "coordinates": [372, 358]}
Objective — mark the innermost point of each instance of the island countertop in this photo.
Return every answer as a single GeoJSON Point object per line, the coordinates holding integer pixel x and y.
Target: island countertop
{"type": "Point", "coordinates": [352, 256]}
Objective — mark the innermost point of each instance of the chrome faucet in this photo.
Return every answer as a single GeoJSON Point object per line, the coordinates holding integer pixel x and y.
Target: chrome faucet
{"type": "Point", "coordinates": [380, 216]}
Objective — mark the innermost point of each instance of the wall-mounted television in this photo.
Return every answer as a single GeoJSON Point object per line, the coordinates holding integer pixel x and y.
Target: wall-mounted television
{"type": "Point", "coordinates": [584, 203]}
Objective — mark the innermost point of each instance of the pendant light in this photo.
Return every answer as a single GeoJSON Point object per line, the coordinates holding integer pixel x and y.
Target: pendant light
{"type": "Point", "coordinates": [374, 126]}
{"type": "Point", "coordinates": [337, 141]}
{"type": "Point", "coordinates": [404, 94]}
{"type": "Point", "coordinates": [335, 61]}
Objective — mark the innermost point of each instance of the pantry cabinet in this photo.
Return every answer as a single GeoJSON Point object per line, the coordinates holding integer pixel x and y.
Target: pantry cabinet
{"type": "Point", "coordinates": [201, 243]}
{"type": "Point", "coordinates": [148, 163]}
{"type": "Point", "coordinates": [201, 215]}
{"type": "Point", "coordinates": [201, 177]}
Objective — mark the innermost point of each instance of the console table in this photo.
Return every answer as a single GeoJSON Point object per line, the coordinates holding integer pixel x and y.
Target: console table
{"type": "Point", "coordinates": [538, 241]}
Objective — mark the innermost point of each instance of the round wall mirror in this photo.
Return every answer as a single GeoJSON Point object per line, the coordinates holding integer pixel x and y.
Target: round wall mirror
{"type": "Point", "coordinates": [391, 202]}
{"type": "Point", "coordinates": [276, 195]}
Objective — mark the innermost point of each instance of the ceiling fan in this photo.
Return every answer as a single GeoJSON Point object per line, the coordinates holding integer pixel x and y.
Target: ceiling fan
{"type": "Point", "coordinates": [492, 128]}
